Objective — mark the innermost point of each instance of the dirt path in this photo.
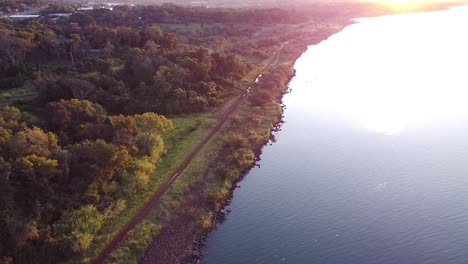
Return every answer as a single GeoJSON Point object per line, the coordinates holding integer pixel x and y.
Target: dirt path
{"type": "Point", "coordinates": [144, 210]}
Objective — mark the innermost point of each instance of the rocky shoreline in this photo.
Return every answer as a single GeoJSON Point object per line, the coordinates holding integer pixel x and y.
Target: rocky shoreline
{"type": "Point", "coordinates": [177, 242]}
{"type": "Point", "coordinates": [199, 243]}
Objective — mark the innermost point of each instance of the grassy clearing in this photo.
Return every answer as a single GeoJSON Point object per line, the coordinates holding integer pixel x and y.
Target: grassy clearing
{"type": "Point", "coordinates": [9, 96]}
{"type": "Point", "coordinates": [16, 91]}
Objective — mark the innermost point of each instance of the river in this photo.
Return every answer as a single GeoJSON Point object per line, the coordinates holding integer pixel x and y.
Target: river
{"type": "Point", "coordinates": [371, 164]}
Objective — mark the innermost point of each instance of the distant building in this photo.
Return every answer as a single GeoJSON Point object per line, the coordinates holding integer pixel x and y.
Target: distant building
{"type": "Point", "coordinates": [24, 17]}
{"type": "Point", "coordinates": [112, 5]}
{"type": "Point", "coordinates": [105, 6]}
{"type": "Point", "coordinates": [85, 8]}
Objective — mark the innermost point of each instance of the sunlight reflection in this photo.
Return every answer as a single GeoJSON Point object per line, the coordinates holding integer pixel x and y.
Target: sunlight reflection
{"type": "Point", "coordinates": [393, 72]}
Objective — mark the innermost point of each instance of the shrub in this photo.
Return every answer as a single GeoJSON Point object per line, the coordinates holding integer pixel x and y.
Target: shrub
{"type": "Point", "coordinates": [136, 244]}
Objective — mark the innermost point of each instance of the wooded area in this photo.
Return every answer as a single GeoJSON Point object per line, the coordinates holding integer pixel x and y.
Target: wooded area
{"type": "Point", "coordinates": [89, 138]}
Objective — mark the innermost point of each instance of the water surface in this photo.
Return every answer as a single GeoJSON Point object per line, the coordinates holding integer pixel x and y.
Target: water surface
{"type": "Point", "coordinates": [371, 165]}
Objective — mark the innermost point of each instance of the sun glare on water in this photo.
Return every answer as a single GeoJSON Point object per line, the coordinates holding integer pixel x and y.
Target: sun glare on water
{"type": "Point", "coordinates": [393, 73]}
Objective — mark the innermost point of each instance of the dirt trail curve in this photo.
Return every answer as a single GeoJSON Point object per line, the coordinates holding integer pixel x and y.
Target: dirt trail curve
{"type": "Point", "coordinates": [143, 211]}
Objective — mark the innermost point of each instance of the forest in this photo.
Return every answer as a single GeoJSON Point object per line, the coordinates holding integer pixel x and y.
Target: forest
{"type": "Point", "coordinates": [126, 62]}
{"type": "Point", "coordinates": [59, 185]}
{"type": "Point", "coordinates": [84, 100]}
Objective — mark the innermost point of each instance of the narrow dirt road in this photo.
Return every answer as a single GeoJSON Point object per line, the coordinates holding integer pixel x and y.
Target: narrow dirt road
{"type": "Point", "coordinates": [143, 211]}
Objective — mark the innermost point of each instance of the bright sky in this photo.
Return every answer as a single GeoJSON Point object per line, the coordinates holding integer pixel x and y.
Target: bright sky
{"type": "Point", "coordinates": [403, 4]}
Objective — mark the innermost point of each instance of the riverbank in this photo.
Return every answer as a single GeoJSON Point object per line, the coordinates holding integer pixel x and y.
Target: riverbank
{"type": "Point", "coordinates": [334, 189]}
{"type": "Point", "coordinates": [229, 157]}
{"type": "Point", "coordinates": [195, 202]}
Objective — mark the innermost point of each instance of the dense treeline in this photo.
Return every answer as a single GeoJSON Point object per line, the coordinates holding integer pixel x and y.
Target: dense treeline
{"type": "Point", "coordinates": [126, 69]}
{"type": "Point", "coordinates": [59, 186]}
{"type": "Point", "coordinates": [8, 6]}
{"type": "Point", "coordinates": [171, 14]}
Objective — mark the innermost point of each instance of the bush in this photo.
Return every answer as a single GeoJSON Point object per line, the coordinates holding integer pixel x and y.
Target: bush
{"type": "Point", "coordinates": [136, 244]}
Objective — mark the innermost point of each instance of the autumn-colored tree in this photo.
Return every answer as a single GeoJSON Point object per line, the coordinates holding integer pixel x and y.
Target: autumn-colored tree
{"type": "Point", "coordinates": [152, 33]}
{"type": "Point", "coordinates": [6, 190]}
{"type": "Point", "coordinates": [128, 37]}
{"type": "Point", "coordinates": [33, 141]}
{"type": "Point", "coordinates": [77, 228]}
{"type": "Point", "coordinates": [79, 119]}
{"type": "Point", "coordinates": [97, 160]}
{"type": "Point", "coordinates": [14, 47]}
{"type": "Point", "coordinates": [82, 19]}
{"type": "Point", "coordinates": [152, 123]}
{"type": "Point", "coordinates": [124, 131]}
{"type": "Point", "coordinates": [32, 176]}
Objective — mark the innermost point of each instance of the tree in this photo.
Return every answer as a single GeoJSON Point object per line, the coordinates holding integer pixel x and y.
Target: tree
{"type": "Point", "coordinates": [6, 190]}
{"type": "Point", "coordinates": [200, 67]}
{"type": "Point", "coordinates": [102, 36]}
{"type": "Point", "coordinates": [82, 19]}
{"type": "Point", "coordinates": [198, 104]}
{"type": "Point", "coordinates": [10, 122]}
{"type": "Point", "coordinates": [79, 119]}
{"type": "Point", "coordinates": [179, 100]}
{"type": "Point", "coordinates": [13, 50]}
{"type": "Point", "coordinates": [151, 146]}
{"type": "Point", "coordinates": [5, 136]}
{"type": "Point", "coordinates": [220, 43]}
{"type": "Point", "coordinates": [152, 33]}
{"type": "Point", "coordinates": [136, 176]}
{"type": "Point", "coordinates": [234, 142]}
{"type": "Point", "coordinates": [207, 88]}
{"type": "Point", "coordinates": [151, 123]}
{"type": "Point", "coordinates": [97, 159]}
{"type": "Point", "coordinates": [128, 37]}
{"type": "Point", "coordinates": [124, 131]}
{"type": "Point", "coordinates": [58, 8]}
{"type": "Point", "coordinates": [169, 42]}
{"type": "Point", "coordinates": [10, 113]}
{"type": "Point", "coordinates": [33, 141]}
{"type": "Point", "coordinates": [260, 97]}
{"type": "Point", "coordinates": [138, 68]}
{"type": "Point", "coordinates": [151, 48]}
{"type": "Point", "coordinates": [32, 176]}
{"type": "Point", "coordinates": [77, 228]}
{"type": "Point", "coordinates": [69, 88]}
